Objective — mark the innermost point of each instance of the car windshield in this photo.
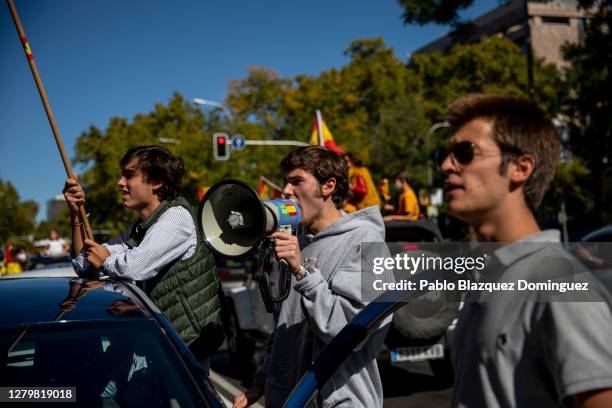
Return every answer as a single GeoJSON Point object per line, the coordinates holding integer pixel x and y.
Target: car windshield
{"type": "Point", "coordinates": [110, 364]}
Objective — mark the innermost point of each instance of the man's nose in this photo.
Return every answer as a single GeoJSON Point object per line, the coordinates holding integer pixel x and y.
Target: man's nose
{"type": "Point", "coordinates": [288, 191]}
{"type": "Point", "coordinates": [121, 182]}
{"type": "Point", "coordinates": [449, 165]}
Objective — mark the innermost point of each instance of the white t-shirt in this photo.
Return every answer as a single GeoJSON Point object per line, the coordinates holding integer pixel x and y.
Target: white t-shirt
{"type": "Point", "coordinates": [56, 247]}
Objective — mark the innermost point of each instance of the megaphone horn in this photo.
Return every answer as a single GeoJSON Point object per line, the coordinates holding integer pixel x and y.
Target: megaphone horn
{"type": "Point", "coordinates": [233, 220]}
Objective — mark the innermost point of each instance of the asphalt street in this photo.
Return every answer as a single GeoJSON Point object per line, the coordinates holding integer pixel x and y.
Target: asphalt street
{"type": "Point", "coordinates": [409, 385]}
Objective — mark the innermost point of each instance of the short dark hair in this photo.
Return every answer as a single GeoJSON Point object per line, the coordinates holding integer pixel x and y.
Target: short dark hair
{"type": "Point", "coordinates": [519, 127]}
{"type": "Point", "coordinates": [401, 175]}
{"type": "Point", "coordinates": [323, 164]}
{"type": "Point", "coordinates": [157, 164]}
{"type": "Point", "coordinates": [355, 159]}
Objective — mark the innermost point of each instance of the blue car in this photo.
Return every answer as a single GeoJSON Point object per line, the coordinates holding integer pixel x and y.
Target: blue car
{"type": "Point", "coordinates": [103, 339]}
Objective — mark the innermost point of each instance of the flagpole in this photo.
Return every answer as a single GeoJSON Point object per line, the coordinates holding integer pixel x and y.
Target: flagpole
{"type": "Point", "coordinates": [270, 183]}
{"type": "Point", "coordinates": [50, 116]}
{"type": "Point", "coordinates": [320, 127]}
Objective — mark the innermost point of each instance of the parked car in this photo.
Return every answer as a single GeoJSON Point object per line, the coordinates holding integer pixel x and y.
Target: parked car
{"type": "Point", "coordinates": [421, 330]}
{"type": "Point", "coordinates": [603, 234]}
{"type": "Point", "coordinates": [104, 338]}
{"type": "Point", "coordinates": [246, 321]}
{"type": "Point", "coordinates": [46, 262]}
{"type": "Point", "coordinates": [595, 251]}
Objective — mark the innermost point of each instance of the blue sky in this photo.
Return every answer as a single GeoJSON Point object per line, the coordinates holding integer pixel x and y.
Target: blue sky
{"type": "Point", "coordinates": [100, 59]}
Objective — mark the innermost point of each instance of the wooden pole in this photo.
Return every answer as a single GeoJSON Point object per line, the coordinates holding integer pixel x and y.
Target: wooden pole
{"type": "Point", "coordinates": [43, 96]}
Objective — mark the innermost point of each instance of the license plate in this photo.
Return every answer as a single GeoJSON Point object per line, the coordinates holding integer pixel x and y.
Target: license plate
{"type": "Point", "coordinates": [412, 354]}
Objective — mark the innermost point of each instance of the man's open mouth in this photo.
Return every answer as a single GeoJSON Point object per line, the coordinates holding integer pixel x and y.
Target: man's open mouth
{"type": "Point", "coordinates": [449, 187]}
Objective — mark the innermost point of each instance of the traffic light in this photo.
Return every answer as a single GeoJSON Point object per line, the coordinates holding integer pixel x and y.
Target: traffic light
{"type": "Point", "coordinates": [221, 146]}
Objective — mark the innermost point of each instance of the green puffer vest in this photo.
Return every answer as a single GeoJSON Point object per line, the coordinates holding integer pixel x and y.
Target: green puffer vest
{"type": "Point", "coordinates": [187, 292]}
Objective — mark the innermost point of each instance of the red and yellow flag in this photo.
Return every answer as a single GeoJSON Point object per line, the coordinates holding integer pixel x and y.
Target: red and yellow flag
{"type": "Point", "coordinates": [328, 139]}
{"type": "Point", "coordinates": [268, 190]}
{"type": "Point", "coordinates": [201, 192]}
{"type": "Point", "coordinates": [288, 210]}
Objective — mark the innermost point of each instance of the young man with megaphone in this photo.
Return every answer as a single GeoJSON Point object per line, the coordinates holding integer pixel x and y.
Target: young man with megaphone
{"type": "Point", "coordinates": [325, 259]}
{"type": "Point", "coordinates": [159, 250]}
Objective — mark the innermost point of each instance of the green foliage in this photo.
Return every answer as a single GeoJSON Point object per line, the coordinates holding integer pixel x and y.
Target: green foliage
{"type": "Point", "coordinates": [374, 106]}
{"type": "Point", "coordinates": [101, 152]}
{"type": "Point", "coordinates": [61, 224]}
{"type": "Point", "coordinates": [568, 185]}
{"type": "Point", "coordinates": [371, 106]}
{"type": "Point", "coordinates": [426, 11]}
{"type": "Point", "coordinates": [492, 65]}
{"type": "Point", "coordinates": [18, 216]}
{"type": "Point", "coordinates": [589, 103]}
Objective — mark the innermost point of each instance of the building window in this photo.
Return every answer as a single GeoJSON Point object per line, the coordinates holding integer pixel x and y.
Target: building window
{"type": "Point", "coordinates": [553, 20]}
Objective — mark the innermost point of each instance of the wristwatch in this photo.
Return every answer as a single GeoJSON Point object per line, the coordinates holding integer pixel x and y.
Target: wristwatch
{"type": "Point", "coordinates": [300, 273]}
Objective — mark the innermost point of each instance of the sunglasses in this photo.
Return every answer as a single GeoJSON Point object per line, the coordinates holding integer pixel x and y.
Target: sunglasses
{"type": "Point", "coordinates": [464, 152]}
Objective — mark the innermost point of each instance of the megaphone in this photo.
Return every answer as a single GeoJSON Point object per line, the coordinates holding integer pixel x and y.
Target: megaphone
{"type": "Point", "coordinates": [234, 221]}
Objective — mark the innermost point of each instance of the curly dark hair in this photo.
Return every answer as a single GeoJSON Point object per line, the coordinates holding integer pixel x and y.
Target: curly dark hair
{"type": "Point", "coordinates": [157, 164]}
{"type": "Point", "coordinates": [323, 164]}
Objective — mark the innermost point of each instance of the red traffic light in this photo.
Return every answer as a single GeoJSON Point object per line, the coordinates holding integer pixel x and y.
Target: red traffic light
{"type": "Point", "coordinates": [221, 148]}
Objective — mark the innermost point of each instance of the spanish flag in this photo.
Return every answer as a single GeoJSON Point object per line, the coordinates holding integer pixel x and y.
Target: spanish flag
{"type": "Point", "coordinates": [328, 139]}
{"type": "Point", "coordinates": [202, 192]}
{"type": "Point", "coordinates": [288, 210]}
{"type": "Point", "coordinates": [268, 190]}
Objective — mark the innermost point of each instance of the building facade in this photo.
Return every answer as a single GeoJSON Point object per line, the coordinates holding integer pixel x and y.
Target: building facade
{"type": "Point", "coordinates": [552, 23]}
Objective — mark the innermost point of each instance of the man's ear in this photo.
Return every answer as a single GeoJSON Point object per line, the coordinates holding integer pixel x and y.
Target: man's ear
{"type": "Point", "coordinates": [156, 185]}
{"type": "Point", "coordinates": [521, 169]}
{"type": "Point", "coordinates": [328, 187]}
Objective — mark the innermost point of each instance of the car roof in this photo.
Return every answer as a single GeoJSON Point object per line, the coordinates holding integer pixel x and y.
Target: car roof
{"type": "Point", "coordinates": [596, 235]}
{"type": "Point", "coordinates": [65, 271]}
{"type": "Point", "coordinates": [37, 300]}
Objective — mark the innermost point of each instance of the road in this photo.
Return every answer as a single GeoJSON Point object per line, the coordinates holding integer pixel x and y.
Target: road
{"type": "Point", "coordinates": [410, 385]}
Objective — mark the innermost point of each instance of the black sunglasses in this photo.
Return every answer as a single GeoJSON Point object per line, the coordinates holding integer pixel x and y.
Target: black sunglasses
{"type": "Point", "coordinates": [464, 152]}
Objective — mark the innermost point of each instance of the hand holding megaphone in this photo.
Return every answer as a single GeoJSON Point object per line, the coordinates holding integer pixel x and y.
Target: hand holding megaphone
{"type": "Point", "coordinates": [287, 248]}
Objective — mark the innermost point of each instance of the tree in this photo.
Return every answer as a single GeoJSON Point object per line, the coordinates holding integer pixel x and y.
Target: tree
{"type": "Point", "coordinates": [588, 104]}
{"type": "Point", "coordinates": [492, 65]}
{"type": "Point", "coordinates": [445, 12]}
{"type": "Point", "coordinates": [360, 103]}
{"type": "Point", "coordinates": [18, 217]}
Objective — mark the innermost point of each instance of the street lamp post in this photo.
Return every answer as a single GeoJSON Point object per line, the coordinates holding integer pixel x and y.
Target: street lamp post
{"type": "Point", "coordinates": [169, 140]}
{"type": "Point", "coordinates": [432, 129]}
{"type": "Point", "coordinates": [215, 104]}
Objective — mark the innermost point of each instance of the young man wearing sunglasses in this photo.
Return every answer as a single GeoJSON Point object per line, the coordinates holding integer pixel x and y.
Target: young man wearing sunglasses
{"type": "Point", "coordinates": [518, 351]}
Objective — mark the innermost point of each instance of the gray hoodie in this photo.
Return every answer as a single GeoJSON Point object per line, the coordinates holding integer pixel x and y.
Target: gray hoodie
{"type": "Point", "coordinates": [318, 307]}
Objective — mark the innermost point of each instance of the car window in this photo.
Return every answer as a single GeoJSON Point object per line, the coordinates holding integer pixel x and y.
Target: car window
{"type": "Point", "coordinates": [118, 364]}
